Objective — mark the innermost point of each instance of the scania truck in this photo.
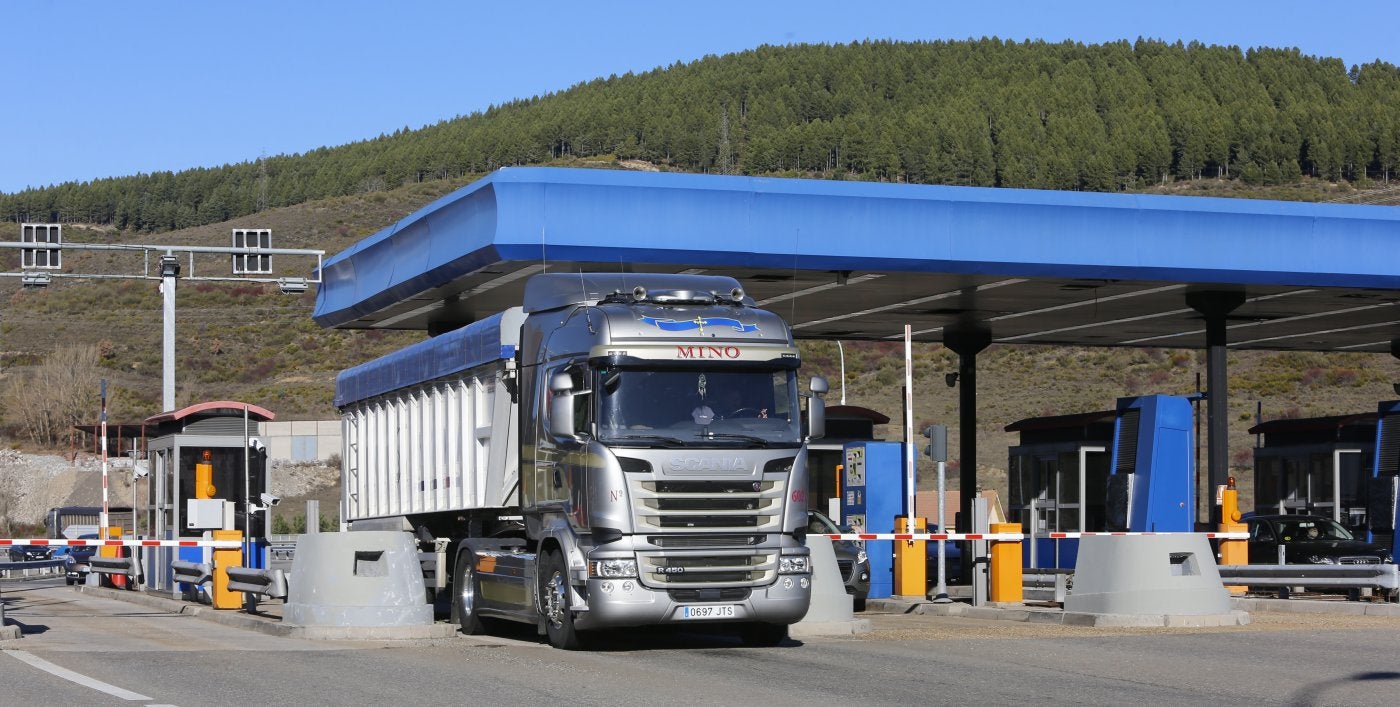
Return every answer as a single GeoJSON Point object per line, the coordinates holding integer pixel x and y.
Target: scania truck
{"type": "Point", "coordinates": [620, 450]}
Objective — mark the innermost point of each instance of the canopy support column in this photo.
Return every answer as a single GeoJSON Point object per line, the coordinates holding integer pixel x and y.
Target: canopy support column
{"type": "Point", "coordinates": [967, 339]}
{"type": "Point", "coordinates": [1215, 306]}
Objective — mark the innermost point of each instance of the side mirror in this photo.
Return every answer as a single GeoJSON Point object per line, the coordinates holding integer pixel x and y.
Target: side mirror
{"type": "Point", "coordinates": [816, 409]}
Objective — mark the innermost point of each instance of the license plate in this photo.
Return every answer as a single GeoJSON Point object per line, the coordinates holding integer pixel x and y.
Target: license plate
{"type": "Point", "coordinates": [708, 612]}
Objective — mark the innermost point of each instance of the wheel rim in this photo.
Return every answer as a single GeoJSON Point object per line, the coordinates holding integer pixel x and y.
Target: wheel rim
{"type": "Point", "coordinates": [556, 599]}
{"type": "Point", "coordinates": [467, 593]}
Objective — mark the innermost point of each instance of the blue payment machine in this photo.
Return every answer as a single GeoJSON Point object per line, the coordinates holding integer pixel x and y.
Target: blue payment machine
{"type": "Point", "coordinates": [872, 495]}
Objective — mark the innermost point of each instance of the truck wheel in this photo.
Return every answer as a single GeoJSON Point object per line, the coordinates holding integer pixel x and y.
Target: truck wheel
{"type": "Point", "coordinates": [763, 634]}
{"type": "Point", "coordinates": [554, 603]}
{"type": "Point", "coordinates": [464, 596]}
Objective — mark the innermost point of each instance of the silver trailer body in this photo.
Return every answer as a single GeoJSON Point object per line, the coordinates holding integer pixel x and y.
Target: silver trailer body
{"type": "Point", "coordinates": [622, 450]}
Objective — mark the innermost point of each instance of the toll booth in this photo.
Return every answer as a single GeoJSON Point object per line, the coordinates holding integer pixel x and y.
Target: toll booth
{"type": "Point", "coordinates": [1126, 469]}
{"type": "Point", "coordinates": [845, 424]}
{"type": "Point", "coordinates": [1058, 477]}
{"type": "Point", "coordinates": [1316, 466]}
{"type": "Point", "coordinates": [222, 437]}
{"type": "Point", "coordinates": [873, 493]}
{"type": "Point", "coordinates": [1383, 492]}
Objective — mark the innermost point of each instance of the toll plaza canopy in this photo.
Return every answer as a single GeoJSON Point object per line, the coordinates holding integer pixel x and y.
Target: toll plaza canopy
{"type": "Point", "coordinates": [856, 260]}
{"type": "Point", "coordinates": [853, 260]}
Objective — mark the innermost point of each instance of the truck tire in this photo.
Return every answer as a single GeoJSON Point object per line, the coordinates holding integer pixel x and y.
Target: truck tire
{"type": "Point", "coordinates": [465, 596]}
{"type": "Point", "coordinates": [554, 602]}
{"type": "Point", "coordinates": [763, 634]}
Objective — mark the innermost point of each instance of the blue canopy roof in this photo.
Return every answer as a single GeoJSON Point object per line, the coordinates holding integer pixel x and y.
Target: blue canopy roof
{"type": "Point", "coordinates": [455, 260]}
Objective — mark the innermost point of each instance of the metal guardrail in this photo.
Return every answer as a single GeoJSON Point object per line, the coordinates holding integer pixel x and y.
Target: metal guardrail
{"type": "Point", "coordinates": [271, 583]}
{"type": "Point", "coordinates": [1327, 576]}
{"type": "Point", "coordinates": [32, 568]}
{"type": "Point", "coordinates": [191, 572]}
{"type": "Point", "coordinates": [1046, 583]}
{"type": "Point", "coordinates": [129, 567]}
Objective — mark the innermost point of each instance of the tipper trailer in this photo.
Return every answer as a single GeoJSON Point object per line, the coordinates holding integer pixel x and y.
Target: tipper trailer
{"type": "Point", "coordinates": [621, 450]}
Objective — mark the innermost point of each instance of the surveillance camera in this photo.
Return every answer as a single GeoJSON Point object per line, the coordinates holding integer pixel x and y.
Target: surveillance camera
{"type": "Point", "coordinates": [256, 444]}
{"type": "Point", "coordinates": [269, 499]}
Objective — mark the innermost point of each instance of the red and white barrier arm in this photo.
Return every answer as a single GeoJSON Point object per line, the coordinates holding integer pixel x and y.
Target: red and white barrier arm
{"type": "Point", "coordinates": [1009, 537]}
{"type": "Point", "coordinates": [94, 542]}
{"type": "Point", "coordinates": [1001, 537]}
{"type": "Point", "coordinates": [1217, 536]}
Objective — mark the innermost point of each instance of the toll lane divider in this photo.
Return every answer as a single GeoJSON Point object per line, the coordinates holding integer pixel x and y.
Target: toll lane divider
{"type": "Point", "coordinates": [1010, 537]}
{"type": "Point", "coordinates": [94, 542]}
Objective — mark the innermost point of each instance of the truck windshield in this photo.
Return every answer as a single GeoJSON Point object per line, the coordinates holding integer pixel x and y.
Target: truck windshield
{"type": "Point", "coordinates": [699, 407]}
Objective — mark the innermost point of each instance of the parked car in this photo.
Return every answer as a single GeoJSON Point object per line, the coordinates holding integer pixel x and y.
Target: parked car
{"type": "Point", "coordinates": [29, 553]}
{"type": "Point", "coordinates": [77, 564]}
{"type": "Point", "coordinates": [1309, 540]}
{"type": "Point", "coordinates": [851, 559]}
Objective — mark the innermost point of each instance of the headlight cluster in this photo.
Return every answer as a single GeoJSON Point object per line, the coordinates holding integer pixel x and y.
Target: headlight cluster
{"type": "Point", "coordinates": [1320, 560]}
{"type": "Point", "coordinates": [794, 564]}
{"type": "Point", "coordinates": [861, 557]}
{"type": "Point", "coordinates": [612, 569]}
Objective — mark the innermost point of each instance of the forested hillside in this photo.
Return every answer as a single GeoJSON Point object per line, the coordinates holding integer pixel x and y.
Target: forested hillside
{"type": "Point", "coordinates": [1110, 117]}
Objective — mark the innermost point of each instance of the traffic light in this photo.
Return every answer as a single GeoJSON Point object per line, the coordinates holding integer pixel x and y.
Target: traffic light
{"type": "Point", "coordinates": [937, 448]}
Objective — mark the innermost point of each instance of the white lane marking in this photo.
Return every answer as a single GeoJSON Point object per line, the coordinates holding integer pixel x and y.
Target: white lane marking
{"type": "Point", "coordinates": [77, 678]}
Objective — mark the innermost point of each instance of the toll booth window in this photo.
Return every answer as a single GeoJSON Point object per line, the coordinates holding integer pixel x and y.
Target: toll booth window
{"type": "Point", "coordinates": [1267, 479]}
{"type": "Point", "coordinates": [227, 476]}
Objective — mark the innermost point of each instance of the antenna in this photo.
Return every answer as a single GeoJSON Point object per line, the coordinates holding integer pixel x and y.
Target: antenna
{"type": "Point", "coordinates": [583, 292]}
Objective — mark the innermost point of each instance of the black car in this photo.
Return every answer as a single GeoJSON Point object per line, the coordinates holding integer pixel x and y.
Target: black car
{"type": "Point", "coordinates": [30, 553]}
{"type": "Point", "coordinates": [1309, 540]}
{"type": "Point", "coordinates": [851, 559]}
{"type": "Point", "coordinates": [78, 562]}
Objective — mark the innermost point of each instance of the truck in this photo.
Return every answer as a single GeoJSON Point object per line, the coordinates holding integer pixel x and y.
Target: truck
{"type": "Point", "coordinates": [619, 450]}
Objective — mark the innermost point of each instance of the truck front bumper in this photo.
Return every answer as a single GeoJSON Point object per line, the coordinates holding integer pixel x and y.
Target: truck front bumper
{"type": "Point", "coordinates": [625, 602]}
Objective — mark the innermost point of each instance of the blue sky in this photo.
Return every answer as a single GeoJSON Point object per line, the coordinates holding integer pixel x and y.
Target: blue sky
{"type": "Point", "coordinates": [102, 88]}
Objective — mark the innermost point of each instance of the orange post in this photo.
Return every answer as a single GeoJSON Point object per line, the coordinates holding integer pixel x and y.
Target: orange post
{"type": "Point", "coordinates": [1006, 581]}
{"type": "Point", "coordinates": [1232, 552]}
{"type": "Point", "coordinates": [910, 558]}
{"type": "Point", "coordinates": [113, 533]}
{"type": "Point", "coordinates": [222, 597]}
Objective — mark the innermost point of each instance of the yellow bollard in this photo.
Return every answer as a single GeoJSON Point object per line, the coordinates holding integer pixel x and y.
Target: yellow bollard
{"type": "Point", "coordinates": [1232, 552]}
{"type": "Point", "coordinates": [222, 597]}
{"type": "Point", "coordinates": [910, 568]}
{"type": "Point", "coordinates": [1006, 582]}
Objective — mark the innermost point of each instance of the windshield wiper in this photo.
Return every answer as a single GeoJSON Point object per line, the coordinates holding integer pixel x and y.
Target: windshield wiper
{"type": "Point", "coordinates": [657, 439]}
{"type": "Point", "coordinates": [747, 438]}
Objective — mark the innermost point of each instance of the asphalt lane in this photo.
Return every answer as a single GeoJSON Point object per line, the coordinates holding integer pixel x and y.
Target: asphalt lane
{"type": "Point", "coordinates": [176, 659]}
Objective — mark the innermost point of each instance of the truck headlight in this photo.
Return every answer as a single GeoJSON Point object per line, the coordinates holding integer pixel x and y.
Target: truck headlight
{"type": "Point", "coordinates": [612, 569]}
{"type": "Point", "coordinates": [794, 564]}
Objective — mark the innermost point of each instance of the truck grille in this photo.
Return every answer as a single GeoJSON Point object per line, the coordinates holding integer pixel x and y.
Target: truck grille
{"type": "Point", "coordinates": [675, 541]}
{"type": "Point", "coordinates": [687, 571]}
{"type": "Point", "coordinates": [727, 594]}
{"type": "Point", "coordinates": [710, 506]}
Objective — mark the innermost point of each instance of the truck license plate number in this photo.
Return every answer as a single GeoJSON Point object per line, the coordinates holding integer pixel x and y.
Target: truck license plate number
{"type": "Point", "coordinates": [708, 612]}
